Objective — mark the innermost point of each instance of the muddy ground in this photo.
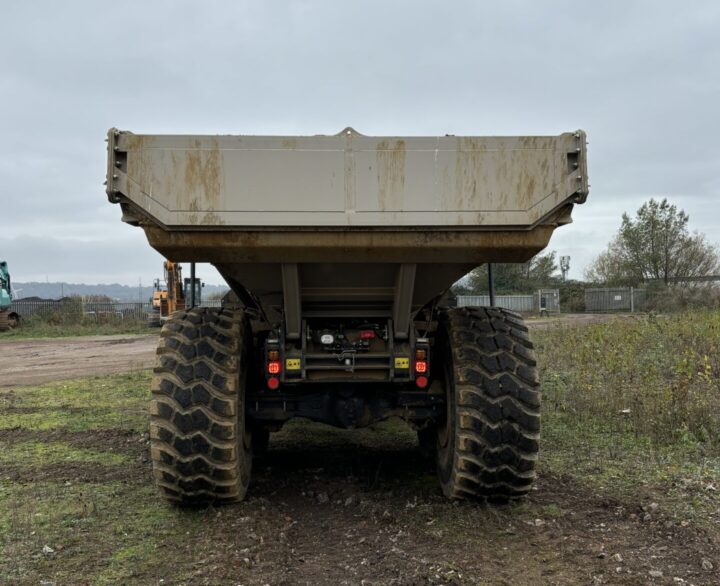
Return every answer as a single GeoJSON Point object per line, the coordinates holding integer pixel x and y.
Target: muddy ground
{"type": "Point", "coordinates": [334, 507]}
{"type": "Point", "coordinates": [326, 506]}
{"type": "Point", "coordinates": [38, 360]}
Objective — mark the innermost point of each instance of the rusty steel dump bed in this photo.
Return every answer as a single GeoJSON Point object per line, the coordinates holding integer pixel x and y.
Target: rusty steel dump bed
{"type": "Point", "coordinates": [347, 221]}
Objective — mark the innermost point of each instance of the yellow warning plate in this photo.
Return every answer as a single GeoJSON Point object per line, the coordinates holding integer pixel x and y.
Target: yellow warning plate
{"type": "Point", "coordinates": [402, 363]}
{"type": "Point", "coordinates": [292, 364]}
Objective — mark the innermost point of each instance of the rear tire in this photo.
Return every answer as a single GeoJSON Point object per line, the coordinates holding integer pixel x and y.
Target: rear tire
{"type": "Point", "coordinates": [200, 447]}
{"type": "Point", "coordinates": [153, 319]}
{"type": "Point", "coordinates": [488, 444]}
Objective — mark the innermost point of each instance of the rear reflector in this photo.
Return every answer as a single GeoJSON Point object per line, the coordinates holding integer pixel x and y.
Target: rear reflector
{"type": "Point", "coordinates": [421, 382]}
{"type": "Point", "coordinates": [367, 334]}
{"type": "Point", "coordinates": [273, 383]}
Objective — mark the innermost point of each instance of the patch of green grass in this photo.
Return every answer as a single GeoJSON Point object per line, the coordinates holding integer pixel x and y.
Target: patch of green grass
{"type": "Point", "coordinates": [632, 467]}
{"type": "Point", "coordinates": [553, 510]}
{"type": "Point", "coordinates": [44, 329]}
{"type": "Point", "coordinates": [37, 453]}
{"type": "Point", "coordinates": [105, 533]}
{"type": "Point", "coordinates": [113, 401]}
{"type": "Point", "coordinates": [658, 377]}
{"type": "Point", "coordinates": [632, 408]}
{"type": "Point", "coordinates": [110, 532]}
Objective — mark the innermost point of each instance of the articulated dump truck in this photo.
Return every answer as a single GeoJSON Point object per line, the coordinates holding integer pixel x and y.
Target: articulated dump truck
{"type": "Point", "coordinates": [338, 251]}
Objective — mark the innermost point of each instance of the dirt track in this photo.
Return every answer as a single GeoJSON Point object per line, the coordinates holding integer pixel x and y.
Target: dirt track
{"type": "Point", "coordinates": [38, 360]}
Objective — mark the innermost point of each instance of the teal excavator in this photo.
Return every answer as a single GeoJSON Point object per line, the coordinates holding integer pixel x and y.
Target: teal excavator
{"type": "Point", "coordinates": [8, 318]}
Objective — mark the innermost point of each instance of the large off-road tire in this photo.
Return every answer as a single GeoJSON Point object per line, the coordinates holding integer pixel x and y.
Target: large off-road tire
{"type": "Point", "coordinates": [200, 446]}
{"type": "Point", "coordinates": [487, 445]}
{"type": "Point", "coordinates": [13, 320]}
{"type": "Point", "coordinates": [153, 319]}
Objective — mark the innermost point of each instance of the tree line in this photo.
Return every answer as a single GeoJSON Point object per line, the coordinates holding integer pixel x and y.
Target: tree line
{"type": "Point", "coordinates": [654, 246]}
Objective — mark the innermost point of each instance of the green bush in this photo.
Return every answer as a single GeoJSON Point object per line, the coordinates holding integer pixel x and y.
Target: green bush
{"type": "Point", "coordinates": [663, 298]}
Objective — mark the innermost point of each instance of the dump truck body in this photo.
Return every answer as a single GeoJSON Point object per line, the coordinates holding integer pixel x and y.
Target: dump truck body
{"type": "Point", "coordinates": [338, 250]}
{"type": "Point", "coordinates": [341, 216]}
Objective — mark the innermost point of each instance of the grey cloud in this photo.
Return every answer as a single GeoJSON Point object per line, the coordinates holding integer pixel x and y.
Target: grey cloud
{"type": "Point", "coordinates": [640, 77]}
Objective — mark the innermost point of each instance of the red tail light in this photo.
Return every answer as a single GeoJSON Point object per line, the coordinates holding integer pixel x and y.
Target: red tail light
{"type": "Point", "coordinates": [273, 383]}
{"type": "Point", "coordinates": [273, 367]}
{"type": "Point", "coordinates": [421, 382]}
{"type": "Point", "coordinates": [421, 366]}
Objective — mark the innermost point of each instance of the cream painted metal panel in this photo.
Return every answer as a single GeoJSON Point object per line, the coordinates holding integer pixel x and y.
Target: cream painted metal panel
{"type": "Point", "coordinates": [347, 180]}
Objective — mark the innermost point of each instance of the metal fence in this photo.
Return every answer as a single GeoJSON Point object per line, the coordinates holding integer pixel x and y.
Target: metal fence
{"type": "Point", "coordinates": [543, 300]}
{"type": "Point", "coordinates": [615, 299]}
{"type": "Point", "coordinates": [94, 310]}
{"type": "Point", "coordinates": [548, 300]}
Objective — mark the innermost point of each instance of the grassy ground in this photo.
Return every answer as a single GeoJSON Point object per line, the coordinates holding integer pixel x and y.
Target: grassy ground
{"type": "Point", "coordinates": [636, 404]}
{"type": "Point", "coordinates": [657, 376]}
{"type": "Point", "coordinates": [32, 328]}
{"type": "Point", "coordinates": [77, 505]}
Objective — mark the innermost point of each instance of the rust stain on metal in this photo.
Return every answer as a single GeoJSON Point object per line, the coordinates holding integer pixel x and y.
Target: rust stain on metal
{"type": "Point", "coordinates": [469, 174]}
{"type": "Point", "coordinates": [203, 175]}
{"type": "Point", "coordinates": [391, 175]}
{"type": "Point", "coordinates": [211, 219]}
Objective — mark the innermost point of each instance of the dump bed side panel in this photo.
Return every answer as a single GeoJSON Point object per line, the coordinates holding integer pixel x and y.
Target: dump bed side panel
{"type": "Point", "coordinates": [347, 180]}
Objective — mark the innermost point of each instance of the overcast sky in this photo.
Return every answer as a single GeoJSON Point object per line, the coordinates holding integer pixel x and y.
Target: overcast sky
{"type": "Point", "coordinates": [642, 78]}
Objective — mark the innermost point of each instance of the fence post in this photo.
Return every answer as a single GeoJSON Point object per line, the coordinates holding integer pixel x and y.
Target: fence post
{"type": "Point", "coordinates": [632, 300]}
{"type": "Point", "coordinates": [192, 285]}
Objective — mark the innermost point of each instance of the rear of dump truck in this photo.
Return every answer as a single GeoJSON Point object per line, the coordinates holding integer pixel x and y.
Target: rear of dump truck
{"type": "Point", "coordinates": [338, 251]}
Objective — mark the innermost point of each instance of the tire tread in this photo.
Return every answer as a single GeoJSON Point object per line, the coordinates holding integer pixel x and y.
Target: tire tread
{"type": "Point", "coordinates": [195, 440]}
{"type": "Point", "coordinates": [497, 404]}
